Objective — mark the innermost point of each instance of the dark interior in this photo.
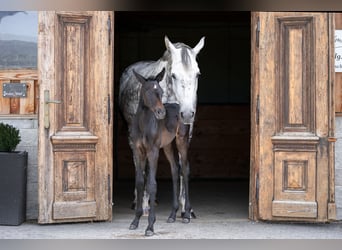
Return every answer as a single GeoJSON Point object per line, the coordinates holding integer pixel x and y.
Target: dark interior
{"type": "Point", "coordinates": [220, 148]}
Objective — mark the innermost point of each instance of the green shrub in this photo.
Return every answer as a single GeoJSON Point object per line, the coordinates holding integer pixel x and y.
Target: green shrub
{"type": "Point", "coordinates": [9, 137]}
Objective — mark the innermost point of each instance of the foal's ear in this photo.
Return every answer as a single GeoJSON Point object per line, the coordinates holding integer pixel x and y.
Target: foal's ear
{"type": "Point", "coordinates": [140, 78]}
{"type": "Point", "coordinates": [160, 76]}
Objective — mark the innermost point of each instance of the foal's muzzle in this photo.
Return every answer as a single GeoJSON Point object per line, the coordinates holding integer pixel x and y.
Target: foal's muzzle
{"type": "Point", "coordinates": [160, 113]}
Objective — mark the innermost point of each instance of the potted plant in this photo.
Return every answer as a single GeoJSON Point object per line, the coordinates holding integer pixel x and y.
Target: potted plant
{"type": "Point", "coordinates": [13, 173]}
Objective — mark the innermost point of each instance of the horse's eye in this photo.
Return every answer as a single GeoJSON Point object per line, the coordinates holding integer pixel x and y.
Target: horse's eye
{"type": "Point", "coordinates": [198, 74]}
{"type": "Point", "coordinates": [173, 76]}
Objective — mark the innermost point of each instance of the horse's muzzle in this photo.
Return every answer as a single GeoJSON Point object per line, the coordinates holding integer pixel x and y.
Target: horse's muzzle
{"type": "Point", "coordinates": [187, 117]}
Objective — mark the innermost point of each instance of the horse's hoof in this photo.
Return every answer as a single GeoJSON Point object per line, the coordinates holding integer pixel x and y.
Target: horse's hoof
{"type": "Point", "coordinates": [186, 220]}
{"type": "Point", "coordinates": [149, 232]}
{"type": "Point", "coordinates": [133, 227]}
{"type": "Point", "coordinates": [171, 220]}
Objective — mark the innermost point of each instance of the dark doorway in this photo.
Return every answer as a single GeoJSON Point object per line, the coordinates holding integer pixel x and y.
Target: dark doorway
{"type": "Point", "coordinates": [220, 148]}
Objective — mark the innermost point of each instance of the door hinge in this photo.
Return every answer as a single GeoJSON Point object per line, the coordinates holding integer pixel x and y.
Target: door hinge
{"type": "Point", "coordinates": [257, 32]}
{"type": "Point", "coordinates": [257, 188]}
{"type": "Point", "coordinates": [109, 28]}
{"type": "Point", "coordinates": [257, 111]}
{"type": "Point", "coordinates": [109, 109]}
{"type": "Point", "coordinates": [109, 190]}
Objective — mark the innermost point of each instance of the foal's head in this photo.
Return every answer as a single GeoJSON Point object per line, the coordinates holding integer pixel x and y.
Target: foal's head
{"type": "Point", "coordinates": [151, 94]}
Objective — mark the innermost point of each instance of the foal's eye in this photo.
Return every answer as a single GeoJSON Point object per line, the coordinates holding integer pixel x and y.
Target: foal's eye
{"type": "Point", "coordinates": [198, 74]}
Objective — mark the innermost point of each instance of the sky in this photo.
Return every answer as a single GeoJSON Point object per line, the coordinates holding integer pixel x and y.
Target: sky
{"type": "Point", "coordinates": [21, 24]}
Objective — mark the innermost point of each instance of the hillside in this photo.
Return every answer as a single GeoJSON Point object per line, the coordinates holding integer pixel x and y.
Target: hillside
{"type": "Point", "coordinates": [18, 54]}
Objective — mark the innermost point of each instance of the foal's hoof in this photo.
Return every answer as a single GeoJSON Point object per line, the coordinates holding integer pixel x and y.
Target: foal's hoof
{"type": "Point", "coordinates": [133, 227]}
{"type": "Point", "coordinates": [149, 232]}
{"type": "Point", "coordinates": [171, 220]}
{"type": "Point", "coordinates": [186, 220]}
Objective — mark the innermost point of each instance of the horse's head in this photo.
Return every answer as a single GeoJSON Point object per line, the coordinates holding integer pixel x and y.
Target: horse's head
{"type": "Point", "coordinates": [151, 93]}
{"type": "Point", "coordinates": [183, 77]}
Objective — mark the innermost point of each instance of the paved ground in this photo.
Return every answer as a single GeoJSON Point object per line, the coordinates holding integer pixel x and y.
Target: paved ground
{"type": "Point", "coordinates": [221, 208]}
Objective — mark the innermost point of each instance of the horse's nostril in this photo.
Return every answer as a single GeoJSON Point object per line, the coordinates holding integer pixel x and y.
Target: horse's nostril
{"type": "Point", "coordinates": [187, 115]}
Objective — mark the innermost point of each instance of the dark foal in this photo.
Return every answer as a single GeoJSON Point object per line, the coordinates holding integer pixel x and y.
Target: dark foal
{"type": "Point", "coordinates": [153, 127]}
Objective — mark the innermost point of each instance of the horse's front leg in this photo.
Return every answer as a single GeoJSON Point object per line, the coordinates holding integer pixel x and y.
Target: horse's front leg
{"type": "Point", "coordinates": [152, 188]}
{"type": "Point", "coordinates": [182, 143]}
{"type": "Point", "coordinates": [139, 162]}
{"type": "Point", "coordinates": [168, 150]}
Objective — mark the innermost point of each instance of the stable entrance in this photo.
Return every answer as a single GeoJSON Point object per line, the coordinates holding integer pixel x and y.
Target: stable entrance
{"type": "Point", "coordinates": [265, 113]}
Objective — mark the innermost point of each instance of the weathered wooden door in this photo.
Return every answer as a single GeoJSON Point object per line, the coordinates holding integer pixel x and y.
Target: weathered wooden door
{"type": "Point", "coordinates": [75, 67]}
{"type": "Point", "coordinates": [292, 145]}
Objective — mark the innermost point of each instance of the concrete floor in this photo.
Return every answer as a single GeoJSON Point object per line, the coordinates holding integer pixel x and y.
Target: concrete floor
{"type": "Point", "coordinates": [221, 208]}
{"type": "Point", "coordinates": [211, 200]}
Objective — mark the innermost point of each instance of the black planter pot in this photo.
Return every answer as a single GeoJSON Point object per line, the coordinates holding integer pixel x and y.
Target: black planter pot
{"type": "Point", "coordinates": [13, 179]}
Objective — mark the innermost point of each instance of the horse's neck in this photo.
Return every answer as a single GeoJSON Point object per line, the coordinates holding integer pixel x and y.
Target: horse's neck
{"type": "Point", "coordinates": [166, 83]}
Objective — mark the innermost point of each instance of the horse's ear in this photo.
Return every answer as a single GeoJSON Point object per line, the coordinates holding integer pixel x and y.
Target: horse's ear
{"type": "Point", "coordinates": [169, 46]}
{"type": "Point", "coordinates": [199, 46]}
{"type": "Point", "coordinates": [160, 76]}
{"type": "Point", "coordinates": [140, 78]}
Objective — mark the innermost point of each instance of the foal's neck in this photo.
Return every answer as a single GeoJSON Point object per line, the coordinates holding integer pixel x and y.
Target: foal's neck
{"type": "Point", "coordinates": [147, 120]}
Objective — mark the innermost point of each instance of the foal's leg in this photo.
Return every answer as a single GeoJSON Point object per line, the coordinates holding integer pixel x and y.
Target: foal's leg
{"type": "Point", "coordinates": [145, 200]}
{"type": "Point", "coordinates": [152, 188]}
{"type": "Point", "coordinates": [182, 143]}
{"type": "Point", "coordinates": [168, 150]}
{"type": "Point", "coordinates": [139, 162]}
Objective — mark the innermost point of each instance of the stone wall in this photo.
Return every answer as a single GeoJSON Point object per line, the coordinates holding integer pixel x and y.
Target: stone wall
{"type": "Point", "coordinates": [338, 168]}
{"type": "Point", "coordinates": [29, 142]}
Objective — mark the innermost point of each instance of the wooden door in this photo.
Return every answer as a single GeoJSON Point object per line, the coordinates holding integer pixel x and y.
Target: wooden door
{"type": "Point", "coordinates": [292, 144]}
{"type": "Point", "coordinates": [75, 51]}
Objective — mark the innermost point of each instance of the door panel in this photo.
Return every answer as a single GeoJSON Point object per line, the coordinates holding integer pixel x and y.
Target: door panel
{"type": "Point", "coordinates": [75, 132]}
{"type": "Point", "coordinates": [292, 134]}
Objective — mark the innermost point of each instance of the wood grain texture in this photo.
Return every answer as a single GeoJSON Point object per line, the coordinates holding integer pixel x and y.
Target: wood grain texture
{"type": "Point", "coordinates": [75, 157]}
{"type": "Point", "coordinates": [293, 154]}
{"type": "Point", "coordinates": [24, 105]}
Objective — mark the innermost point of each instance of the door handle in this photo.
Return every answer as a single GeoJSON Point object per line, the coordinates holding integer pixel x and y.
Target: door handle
{"type": "Point", "coordinates": [47, 101]}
